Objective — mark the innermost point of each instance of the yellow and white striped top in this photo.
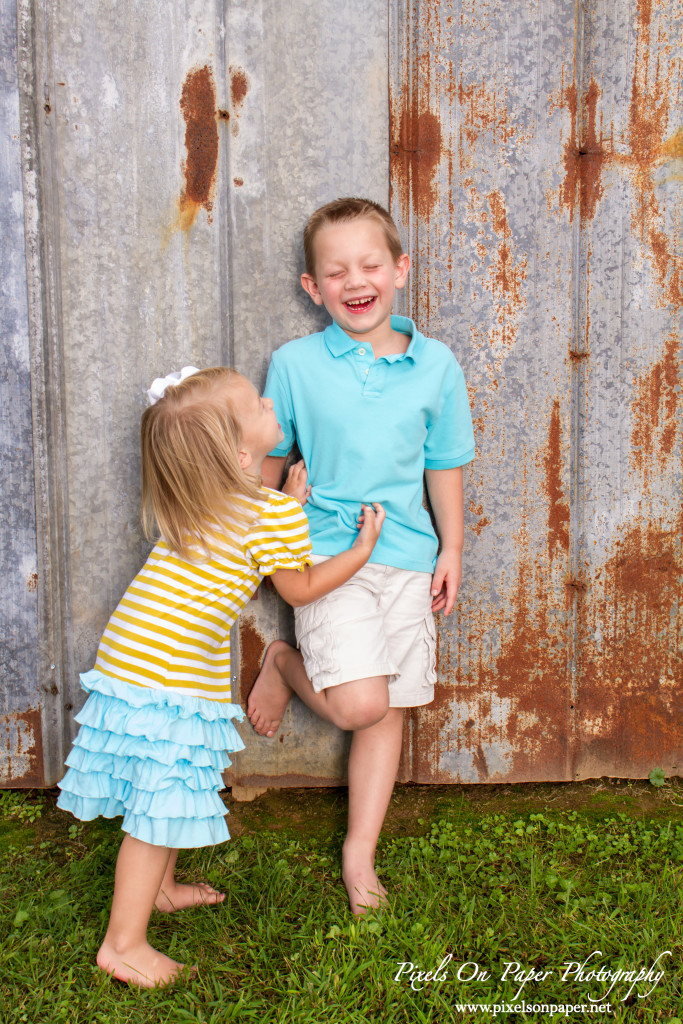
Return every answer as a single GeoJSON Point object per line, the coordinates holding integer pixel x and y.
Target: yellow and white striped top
{"type": "Point", "coordinates": [172, 626]}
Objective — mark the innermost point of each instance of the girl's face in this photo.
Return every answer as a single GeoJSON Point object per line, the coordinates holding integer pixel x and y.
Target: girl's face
{"type": "Point", "coordinates": [261, 431]}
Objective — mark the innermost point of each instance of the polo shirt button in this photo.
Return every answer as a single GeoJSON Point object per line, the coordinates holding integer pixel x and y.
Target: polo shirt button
{"type": "Point", "coordinates": [361, 351]}
{"type": "Point", "coordinates": [367, 372]}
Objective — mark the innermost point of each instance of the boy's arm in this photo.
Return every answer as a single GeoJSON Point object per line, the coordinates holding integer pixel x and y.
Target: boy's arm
{"type": "Point", "coordinates": [444, 487]}
{"type": "Point", "coordinates": [299, 588]}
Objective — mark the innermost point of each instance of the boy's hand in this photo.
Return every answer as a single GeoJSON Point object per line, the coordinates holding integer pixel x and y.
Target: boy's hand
{"type": "Point", "coordinates": [446, 581]}
{"type": "Point", "coordinates": [369, 526]}
{"type": "Point", "coordinates": [296, 484]}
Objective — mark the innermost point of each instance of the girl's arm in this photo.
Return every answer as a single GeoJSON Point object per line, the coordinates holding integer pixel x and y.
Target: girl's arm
{"type": "Point", "coordinates": [444, 487]}
{"type": "Point", "coordinates": [299, 588]}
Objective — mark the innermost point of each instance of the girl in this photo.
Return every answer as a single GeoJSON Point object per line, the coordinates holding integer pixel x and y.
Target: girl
{"type": "Point", "coordinates": [158, 722]}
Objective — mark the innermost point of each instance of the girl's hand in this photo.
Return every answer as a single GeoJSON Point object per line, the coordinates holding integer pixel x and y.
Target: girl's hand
{"type": "Point", "coordinates": [296, 484]}
{"type": "Point", "coordinates": [369, 526]}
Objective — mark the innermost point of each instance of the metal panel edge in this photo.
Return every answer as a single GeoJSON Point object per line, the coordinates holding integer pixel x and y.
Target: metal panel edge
{"type": "Point", "coordinates": [55, 655]}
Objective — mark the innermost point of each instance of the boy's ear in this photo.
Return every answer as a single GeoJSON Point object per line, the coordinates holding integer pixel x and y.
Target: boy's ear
{"type": "Point", "coordinates": [309, 285]}
{"type": "Point", "coordinates": [402, 268]}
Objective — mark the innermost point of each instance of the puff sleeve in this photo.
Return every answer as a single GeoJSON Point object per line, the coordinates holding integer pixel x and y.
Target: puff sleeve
{"type": "Point", "coordinates": [280, 539]}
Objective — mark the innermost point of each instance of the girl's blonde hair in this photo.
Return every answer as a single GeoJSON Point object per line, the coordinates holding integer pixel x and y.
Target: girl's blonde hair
{"type": "Point", "coordinates": [191, 473]}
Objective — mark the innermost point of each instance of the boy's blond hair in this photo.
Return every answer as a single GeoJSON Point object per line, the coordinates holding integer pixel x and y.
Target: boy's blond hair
{"type": "Point", "coordinates": [341, 211]}
{"type": "Point", "coordinates": [190, 463]}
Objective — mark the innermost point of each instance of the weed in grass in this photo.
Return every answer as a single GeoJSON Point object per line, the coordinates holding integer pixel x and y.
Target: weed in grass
{"type": "Point", "coordinates": [21, 805]}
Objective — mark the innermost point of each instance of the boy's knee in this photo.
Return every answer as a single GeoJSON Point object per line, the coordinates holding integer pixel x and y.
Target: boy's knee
{"type": "Point", "coordinates": [365, 705]}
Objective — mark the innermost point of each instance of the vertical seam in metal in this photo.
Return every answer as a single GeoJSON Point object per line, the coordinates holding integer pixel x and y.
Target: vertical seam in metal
{"type": "Point", "coordinates": [577, 389]}
{"type": "Point", "coordinates": [55, 646]}
{"type": "Point", "coordinates": [401, 85]}
{"type": "Point", "coordinates": [400, 57]}
{"type": "Point", "coordinates": [225, 233]}
{"type": "Point", "coordinates": [225, 276]}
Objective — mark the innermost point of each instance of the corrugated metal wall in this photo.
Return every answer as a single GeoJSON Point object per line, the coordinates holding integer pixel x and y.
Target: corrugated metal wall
{"type": "Point", "coordinates": [536, 168]}
{"type": "Point", "coordinates": [20, 725]}
{"type": "Point", "coordinates": [170, 154]}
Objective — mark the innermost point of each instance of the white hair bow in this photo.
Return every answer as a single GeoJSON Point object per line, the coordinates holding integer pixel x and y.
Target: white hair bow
{"type": "Point", "coordinates": [161, 383]}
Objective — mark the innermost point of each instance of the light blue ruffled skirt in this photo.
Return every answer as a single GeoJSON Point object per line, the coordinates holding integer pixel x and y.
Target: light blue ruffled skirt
{"type": "Point", "coordinates": [154, 756]}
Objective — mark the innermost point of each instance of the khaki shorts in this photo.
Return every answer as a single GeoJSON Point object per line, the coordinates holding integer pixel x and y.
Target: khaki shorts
{"type": "Point", "coordinates": [379, 623]}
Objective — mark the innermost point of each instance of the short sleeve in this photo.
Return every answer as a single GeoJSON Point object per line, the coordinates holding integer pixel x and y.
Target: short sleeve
{"type": "Point", "coordinates": [277, 389]}
{"type": "Point", "coordinates": [450, 437]}
{"type": "Point", "coordinates": [280, 539]}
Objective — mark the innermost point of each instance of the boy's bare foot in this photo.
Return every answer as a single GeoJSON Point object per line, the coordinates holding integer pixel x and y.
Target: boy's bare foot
{"type": "Point", "coordinates": [365, 890]}
{"type": "Point", "coordinates": [270, 694]}
{"type": "Point", "coordinates": [142, 965]}
{"type": "Point", "coordinates": [179, 897]}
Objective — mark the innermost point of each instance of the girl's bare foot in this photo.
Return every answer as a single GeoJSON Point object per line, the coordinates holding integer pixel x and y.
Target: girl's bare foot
{"type": "Point", "coordinates": [365, 890]}
{"type": "Point", "coordinates": [179, 896]}
{"type": "Point", "coordinates": [142, 965]}
{"type": "Point", "coordinates": [270, 693]}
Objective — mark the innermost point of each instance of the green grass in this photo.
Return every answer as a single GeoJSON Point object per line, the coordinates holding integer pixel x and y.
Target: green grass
{"type": "Point", "coordinates": [539, 887]}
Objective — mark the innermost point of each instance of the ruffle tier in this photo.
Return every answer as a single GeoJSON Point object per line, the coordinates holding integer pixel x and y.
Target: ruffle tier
{"type": "Point", "coordinates": [153, 756]}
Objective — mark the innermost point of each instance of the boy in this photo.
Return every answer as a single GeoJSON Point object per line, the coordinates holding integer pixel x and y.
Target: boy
{"type": "Point", "coordinates": [376, 408]}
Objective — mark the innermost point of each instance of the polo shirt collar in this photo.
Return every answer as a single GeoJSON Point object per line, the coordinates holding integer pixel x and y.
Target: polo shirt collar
{"type": "Point", "coordinates": [339, 342]}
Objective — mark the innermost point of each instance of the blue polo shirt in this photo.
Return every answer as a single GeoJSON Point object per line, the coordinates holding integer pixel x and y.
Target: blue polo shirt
{"type": "Point", "coordinates": [367, 429]}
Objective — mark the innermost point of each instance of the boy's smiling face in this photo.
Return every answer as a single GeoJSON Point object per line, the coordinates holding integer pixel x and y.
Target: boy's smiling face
{"type": "Point", "coordinates": [356, 277]}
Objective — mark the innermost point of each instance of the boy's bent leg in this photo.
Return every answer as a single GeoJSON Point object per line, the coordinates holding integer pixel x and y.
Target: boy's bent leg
{"type": "Point", "coordinates": [373, 763]}
{"type": "Point", "coordinates": [358, 704]}
{"type": "Point", "coordinates": [272, 689]}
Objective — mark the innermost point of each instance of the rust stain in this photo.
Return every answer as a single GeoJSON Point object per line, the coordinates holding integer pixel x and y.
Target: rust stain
{"type": "Point", "coordinates": [482, 112]}
{"type": "Point", "coordinates": [416, 151]}
{"type": "Point", "coordinates": [655, 409]}
{"type": "Point", "coordinates": [32, 582]}
{"type": "Point", "coordinates": [239, 87]}
{"type": "Point", "coordinates": [529, 678]}
{"type": "Point", "coordinates": [482, 522]}
{"type": "Point", "coordinates": [198, 105]}
{"type": "Point", "coordinates": [649, 148]}
{"type": "Point", "coordinates": [648, 125]}
{"type": "Point", "coordinates": [252, 649]}
{"type": "Point", "coordinates": [531, 672]}
{"type": "Point", "coordinates": [632, 667]}
{"type": "Point", "coordinates": [558, 511]}
{"type": "Point", "coordinates": [580, 586]}
{"type": "Point", "coordinates": [21, 749]}
{"type": "Point", "coordinates": [672, 149]}
{"type": "Point", "coordinates": [583, 160]}
{"type": "Point", "coordinates": [480, 764]}
{"type": "Point", "coordinates": [510, 682]}
{"type": "Point", "coordinates": [238, 182]}
{"type": "Point", "coordinates": [504, 278]}
{"type": "Point", "coordinates": [289, 780]}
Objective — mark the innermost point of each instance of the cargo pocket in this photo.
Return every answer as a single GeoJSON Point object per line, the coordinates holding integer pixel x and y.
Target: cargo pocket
{"type": "Point", "coordinates": [317, 645]}
{"type": "Point", "coordinates": [430, 649]}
